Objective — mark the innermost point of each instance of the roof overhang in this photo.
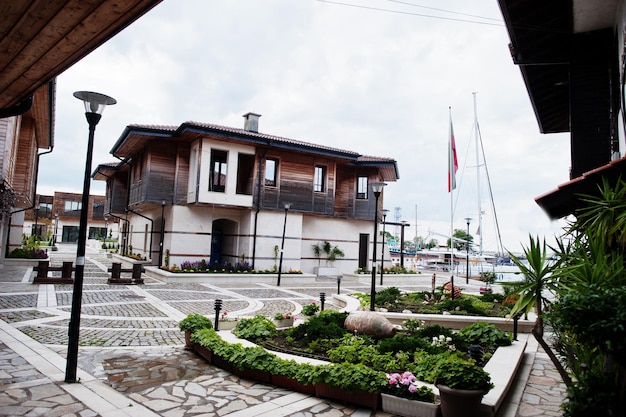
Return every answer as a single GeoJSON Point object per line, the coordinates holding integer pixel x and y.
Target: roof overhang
{"type": "Point", "coordinates": [565, 200]}
{"type": "Point", "coordinates": [541, 34]}
{"type": "Point", "coordinates": [40, 40]}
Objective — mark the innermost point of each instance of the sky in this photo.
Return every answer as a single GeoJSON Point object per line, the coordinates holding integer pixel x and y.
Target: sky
{"type": "Point", "coordinates": [378, 77]}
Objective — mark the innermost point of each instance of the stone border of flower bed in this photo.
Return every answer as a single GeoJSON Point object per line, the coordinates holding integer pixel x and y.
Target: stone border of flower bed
{"type": "Point", "coordinates": [502, 367]}
{"type": "Point", "coordinates": [241, 277]}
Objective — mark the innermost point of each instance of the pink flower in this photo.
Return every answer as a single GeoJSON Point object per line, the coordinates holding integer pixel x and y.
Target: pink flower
{"type": "Point", "coordinates": [412, 388]}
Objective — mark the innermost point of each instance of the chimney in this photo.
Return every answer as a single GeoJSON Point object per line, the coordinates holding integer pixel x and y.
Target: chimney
{"type": "Point", "coordinates": [251, 123]}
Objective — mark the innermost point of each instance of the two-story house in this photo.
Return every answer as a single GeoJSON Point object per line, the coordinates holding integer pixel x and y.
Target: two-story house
{"type": "Point", "coordinates": [202, 191]}
{"type": "Point", "coordinates": [58, 216]}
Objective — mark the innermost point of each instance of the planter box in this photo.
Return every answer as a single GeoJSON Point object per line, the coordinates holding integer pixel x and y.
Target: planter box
{"type": "Point", "coordinates": [292, 384]}
{"type": "Point", "coordinates": [188, 344]}
{"type": "Point", "coordinates": [327, 271]}
{"type": "Point", "coordinates": [284, 323]}
{"type": "Point", "coordinates": [226, 325]}
{"type": "Point", "coordinates": [204, 352]}
{"type": "Point", "coordinates": [362, 399]}
{"type": "Point", "coordinates": [408, 408]}
{"type": "Point", "coordinates": [253, 374]}
{"type": "Point", "coordinates": [222, 363]}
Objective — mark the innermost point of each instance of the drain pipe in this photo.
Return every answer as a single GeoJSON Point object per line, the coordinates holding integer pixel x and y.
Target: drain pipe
{"type": "Point", "coordinates": [258, 201]}
{"type": "Point", "coordinates": [151, 228]}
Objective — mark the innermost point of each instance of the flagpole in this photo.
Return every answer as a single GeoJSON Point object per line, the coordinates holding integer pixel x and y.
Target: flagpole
{"type": "Point", "coordinates": [451, 187]}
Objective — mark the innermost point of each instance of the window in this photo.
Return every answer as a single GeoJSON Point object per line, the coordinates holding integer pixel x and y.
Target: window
{"type": "Point", "coordinates": [71, 207]}
{"type": "Point", "coordinates": [219, 167]}
{"type": "Point", "coordinates": [97, 211]}
{"type": "Point", "coordinates": [361, 188]}
{"type": "Point", "coordinates": [319, 182]}
{"type": "Point", "coordinates": [45, 210]}
{"type": "Point", "coordinates": [271, 172]}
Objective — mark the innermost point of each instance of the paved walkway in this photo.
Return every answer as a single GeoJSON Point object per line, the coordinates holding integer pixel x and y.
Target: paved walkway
{"type": "Point", "coordinates": [131, 361]}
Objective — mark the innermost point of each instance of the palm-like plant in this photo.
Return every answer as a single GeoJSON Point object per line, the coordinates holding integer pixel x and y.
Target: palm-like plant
{"type": "Point", "coordinates": [537, 290]}
{"type": "Point", "coordinates": [331, 252]}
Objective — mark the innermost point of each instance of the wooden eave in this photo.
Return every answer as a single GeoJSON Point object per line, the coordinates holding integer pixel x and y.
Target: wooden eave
{"type": "Point", "coordinates": [39, 39]}
{"type": "Point", "coordinates": [566, 198]}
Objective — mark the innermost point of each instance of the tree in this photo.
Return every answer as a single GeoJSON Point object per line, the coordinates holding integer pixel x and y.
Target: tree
{"type": "Point", "coordinates": [462, 240]}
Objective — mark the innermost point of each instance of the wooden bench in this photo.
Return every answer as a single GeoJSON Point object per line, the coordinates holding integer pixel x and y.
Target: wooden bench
{"type": "Point", "coordinates": [43, 268]}
{"type": "Point", "coordinates": [116, 271]}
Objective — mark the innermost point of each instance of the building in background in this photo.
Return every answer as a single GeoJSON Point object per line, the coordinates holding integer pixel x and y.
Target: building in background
{"type": "Point", "coordinates": [203, 191]}
{"type": "Point", "coordinates": [57, 217]}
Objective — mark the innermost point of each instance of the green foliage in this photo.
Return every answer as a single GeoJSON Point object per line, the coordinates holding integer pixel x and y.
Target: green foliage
{"type": "Point", "coordinates": [353, 377]}
{"type": "Point", "coordinates": [484, 334]}
{"type": "Point", "coordinates": [194, 322]}
{"type": "Point", "coordinates": [461, 374]}
{"type": "Point", "coordinates": [596, 316]}
{"type": "Point", "coordinates": [255, 329]}
{"type": "Point", "coordinates": [403, 343]}
{"type": "Point", "coordinates": [592, 395]}
{"type": "Point", "coordinates": [488, 277]}
{"type": "Point", "coordinates": [255, 358]}
{"type": "Point", "coordinates": [328, 324]}
{"type": "Point", "coordinates": [411, 325]}
{"type": "Point", "coordinates": [332, 252]}
{"type": "Point", "coordinates": [310, 309]}
{"type": "Point", "coordinates": [538, 279]}
{"type": "Point", "coordinates": [387, 297]}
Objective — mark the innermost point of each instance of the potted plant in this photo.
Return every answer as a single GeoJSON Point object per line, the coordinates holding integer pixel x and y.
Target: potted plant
{"type": "Point", "coordinates": [462, 385]}
{"type": "Point", "coordinates": [403, 396]}
{"type": "Point", "coordinates": [226, 322]}
{"type": "Point", "coordinates": [310, 309]}
{"type": "Point", "coordinates": [190, 324]}
{"type": "Point", "coordinates": [283, 319]}
{"type": "Point", "coordinates": [332, 253]}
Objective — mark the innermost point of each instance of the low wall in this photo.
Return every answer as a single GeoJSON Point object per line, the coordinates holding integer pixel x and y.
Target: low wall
{"type": "Point", "coordinates": [243, 278]}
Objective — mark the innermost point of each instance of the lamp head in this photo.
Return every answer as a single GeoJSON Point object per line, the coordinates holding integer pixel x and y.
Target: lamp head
{"type": "Point", "coordinates": [377, 187]}
{"type": "Point", "coordinates": [287, 206]}
{"type": "Point", "coordinates": [94, 102]}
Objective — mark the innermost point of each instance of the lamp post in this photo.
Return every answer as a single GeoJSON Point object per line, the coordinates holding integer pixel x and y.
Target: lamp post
{"type": "Point", "coordinates": [162, 235]}
{"type": "Point", "coordinates": [56, 228]}
{"type": "Point", "coordinates": [94, 105]}
{"type": "Point", "coordinates": [467, 242]}
{"type": "Point", "coordinates": [382, 255]}
{"type": "Point", "coordinates": [377, 188]}
{"type": "Point", "coordinates": [282, 244]}
{"type": "Point", "coordinates": [36, 219]}
{"type": "Point", "coordinates": [404, 224]}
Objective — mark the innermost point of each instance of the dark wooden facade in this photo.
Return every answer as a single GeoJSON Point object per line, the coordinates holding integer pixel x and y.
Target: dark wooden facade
{"type": "Point", "coordinates": [157, 167]}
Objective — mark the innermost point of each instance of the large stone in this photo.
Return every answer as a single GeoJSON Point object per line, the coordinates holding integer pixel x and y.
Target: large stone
{"type": "Point", "coordinates": [369, 323]}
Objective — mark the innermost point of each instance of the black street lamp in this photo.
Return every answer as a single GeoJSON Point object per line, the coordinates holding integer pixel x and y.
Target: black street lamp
{"type": "Point", "coordinates": [377, 188]}
{"type": "Point", "coordinates": [162, 234]}
{"type": "Point", "coordinates": [402, 226]}
{"type": "Point", "coordinates": [467, 220]}
{"type": "Point", "coordinates": [282, 244]}
{"type": "Point", "coordinates": [382, 255]}
{"type": "Point", "coordinates": [94, 105]}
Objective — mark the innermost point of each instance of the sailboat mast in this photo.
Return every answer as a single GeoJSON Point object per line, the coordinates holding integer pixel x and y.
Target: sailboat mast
{"type": "Point", "coordinates": [480, 210]}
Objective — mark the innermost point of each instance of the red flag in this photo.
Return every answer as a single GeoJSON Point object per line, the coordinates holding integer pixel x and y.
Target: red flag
{"type": "Point", "coordinates": [453, 164]}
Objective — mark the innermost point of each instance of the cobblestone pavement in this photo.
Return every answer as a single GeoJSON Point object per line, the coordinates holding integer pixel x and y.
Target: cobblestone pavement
{"type": "Point", "coordinates": [130, 342]}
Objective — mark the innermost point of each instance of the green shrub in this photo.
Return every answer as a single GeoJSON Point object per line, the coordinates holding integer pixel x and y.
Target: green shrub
{"type": "Point", "coordinates": [326, 325]}
{"type": "Point", "coordinates": [486, 335]}
{"type": "Point", "coordinates": [255, 329]}
{"type": "Point", "coordinates": [388, 297]}
{"type": "Point", "coordinates": [460, 374]}
{"type": "Point", "coordinates": [194, 322]}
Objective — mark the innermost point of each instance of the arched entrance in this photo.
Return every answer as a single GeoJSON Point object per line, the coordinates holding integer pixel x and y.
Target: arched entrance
{"type": "Point", "coordinates": [223, 242]}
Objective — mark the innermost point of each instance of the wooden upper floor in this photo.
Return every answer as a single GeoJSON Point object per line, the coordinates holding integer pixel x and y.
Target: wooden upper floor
{"type": "Point", "coordinates": [197, 164]}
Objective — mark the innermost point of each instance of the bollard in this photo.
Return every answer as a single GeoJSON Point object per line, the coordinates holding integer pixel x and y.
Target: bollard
{"type": "Point", "coordinates": [338, 285]}
{"type": "Point", "coordinates": [322, 299]}
{"type": "Point", "coordinates": [475, 352]}
{"type": "Point", "coordinates": [515, 320]}
{"type": "Point", "coordinates": [218, 307]}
